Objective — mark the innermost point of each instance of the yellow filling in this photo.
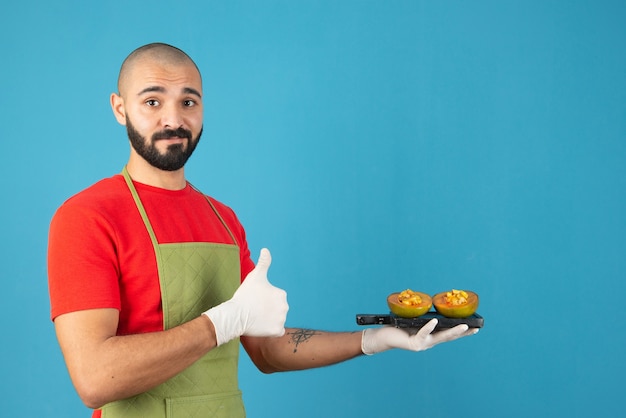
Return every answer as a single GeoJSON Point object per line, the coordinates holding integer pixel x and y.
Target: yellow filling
{"type": "Point", "coordinates": [456, 297]}
{"type": "Point", "coordinates": [409, 298]}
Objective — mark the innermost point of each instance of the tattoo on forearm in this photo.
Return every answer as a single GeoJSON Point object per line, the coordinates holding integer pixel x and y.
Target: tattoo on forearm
{"type": "Point", "coordinates": [299, 336]}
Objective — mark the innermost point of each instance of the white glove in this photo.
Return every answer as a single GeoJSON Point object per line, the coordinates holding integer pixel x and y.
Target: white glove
{"type": "Point", "coordinates": [375, 340]}
{"type": "Point", "coordinates": [256, 309]}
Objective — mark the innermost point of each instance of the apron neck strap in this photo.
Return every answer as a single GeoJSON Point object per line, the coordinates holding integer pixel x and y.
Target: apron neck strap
{"type": "Point", "coordinates": [142, 210]}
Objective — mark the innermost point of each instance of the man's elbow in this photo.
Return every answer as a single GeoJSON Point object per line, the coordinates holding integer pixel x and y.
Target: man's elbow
{"type": "Point", "coordinates": [258, 349]}
{"type": "Point", "coordinates": [91, 393]}
{"type": "Point", "coordinates": [91, 399]}
{"type": "Point", "coordinates": [266, 368]}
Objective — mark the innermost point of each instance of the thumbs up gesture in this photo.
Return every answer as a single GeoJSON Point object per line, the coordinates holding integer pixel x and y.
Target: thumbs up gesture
{"type": "Point", "coordinates": [257, 308]}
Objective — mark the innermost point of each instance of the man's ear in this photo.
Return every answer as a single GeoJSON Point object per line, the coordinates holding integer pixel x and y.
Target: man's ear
{"type": "Point", "coordinates": [117, 105]}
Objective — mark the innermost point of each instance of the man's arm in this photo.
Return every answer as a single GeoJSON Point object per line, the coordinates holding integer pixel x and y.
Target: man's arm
{"type": "Point", "coordinates": [105, 367]}
{"type": "Point", "coordinates": [304, 348]}
{"type": "Point", "coordinates": [301, 349]}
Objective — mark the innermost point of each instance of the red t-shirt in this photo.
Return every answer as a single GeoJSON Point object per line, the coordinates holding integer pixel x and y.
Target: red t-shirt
{"type": "Point", "coordinates": [100, 254]}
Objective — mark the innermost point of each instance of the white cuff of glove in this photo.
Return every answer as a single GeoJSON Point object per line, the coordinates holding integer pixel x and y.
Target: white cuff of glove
{"type": "Point", "coordinates": [227, 322]}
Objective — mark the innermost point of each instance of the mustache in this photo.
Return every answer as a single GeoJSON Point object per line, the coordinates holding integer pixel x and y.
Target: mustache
{"type": "Point", "coordinates": [170, 133]}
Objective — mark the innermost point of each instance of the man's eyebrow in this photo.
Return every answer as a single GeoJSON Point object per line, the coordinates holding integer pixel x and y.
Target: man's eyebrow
{"type": "Point", "coordinates": [159, 89]}
{"type": "Point", "coordinates": [151, 89]}
{"type": "Point", "coordinates": [193, 91]}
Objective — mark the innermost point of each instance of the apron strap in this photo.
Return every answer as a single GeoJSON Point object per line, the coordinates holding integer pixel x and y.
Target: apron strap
{"type": "Point", "coordinates": [142, 210]}
{"type": "Point", "coordinates": [221, 220]}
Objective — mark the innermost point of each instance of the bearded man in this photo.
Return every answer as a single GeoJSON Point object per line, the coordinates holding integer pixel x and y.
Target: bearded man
{"type": "Point", "coordinates": [151, 282]}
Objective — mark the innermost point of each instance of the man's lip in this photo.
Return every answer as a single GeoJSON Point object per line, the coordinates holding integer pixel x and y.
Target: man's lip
{"type": "Point", "coordinates": [173, 138]}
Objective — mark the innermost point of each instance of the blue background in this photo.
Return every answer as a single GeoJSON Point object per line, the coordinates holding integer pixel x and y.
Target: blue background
{"type": "Point", "coordinates": [372, 146]}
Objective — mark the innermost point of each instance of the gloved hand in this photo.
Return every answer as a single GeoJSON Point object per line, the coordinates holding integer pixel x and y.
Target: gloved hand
{"type": "Point", "coordinates": [375, 340]}
{"type": "Point", "coordinates": [256, 309]}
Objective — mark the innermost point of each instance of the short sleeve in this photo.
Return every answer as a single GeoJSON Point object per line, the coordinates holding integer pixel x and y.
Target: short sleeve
{"type": "Point", "coordinates": [82, 263]}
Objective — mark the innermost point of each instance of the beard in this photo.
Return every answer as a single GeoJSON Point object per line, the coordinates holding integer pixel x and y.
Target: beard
{"type": "Point", "coordinates": [175, 156]}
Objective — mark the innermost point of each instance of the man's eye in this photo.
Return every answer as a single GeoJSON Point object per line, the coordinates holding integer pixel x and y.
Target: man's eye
{"type": "Point", "coordinates": [152, 102]}
{"type": "Point", "coordinates": [189, 103]}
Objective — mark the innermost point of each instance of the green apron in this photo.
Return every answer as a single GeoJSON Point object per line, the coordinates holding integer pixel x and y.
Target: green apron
{"type": "Point", "coordinates": [194, 276]}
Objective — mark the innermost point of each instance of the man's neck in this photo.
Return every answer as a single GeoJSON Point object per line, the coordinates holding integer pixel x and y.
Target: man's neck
{"type": "Point", "coordinates": [142, 172]}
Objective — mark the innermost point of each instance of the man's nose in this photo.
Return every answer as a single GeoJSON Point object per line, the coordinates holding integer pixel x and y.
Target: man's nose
{"type": "Point", "coordinates": [171, 117]}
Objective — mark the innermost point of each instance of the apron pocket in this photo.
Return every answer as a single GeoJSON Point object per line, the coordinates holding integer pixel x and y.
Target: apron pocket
{"type": "Point", "coordinates": [223, 405]}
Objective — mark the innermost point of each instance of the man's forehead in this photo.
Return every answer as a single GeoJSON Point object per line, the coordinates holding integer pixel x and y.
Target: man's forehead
{"type": "Point", "coordinates": [149, 75]}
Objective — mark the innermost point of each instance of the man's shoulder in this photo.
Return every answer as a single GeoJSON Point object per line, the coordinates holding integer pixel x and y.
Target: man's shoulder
{"type": "Point", "coordinates": [218, 204]}
{"type": "Point", "coordinates": [107, 203]}
{"type": "Point", "coordinates": [222, 208]}
{"type": "Point", "coordinates": [108, 192]}
{"type": "Point", "coordinates": [110, 186]}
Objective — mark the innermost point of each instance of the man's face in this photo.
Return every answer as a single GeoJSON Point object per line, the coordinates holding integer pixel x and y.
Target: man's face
{"type": "Point", "coordinates": [163, 112]}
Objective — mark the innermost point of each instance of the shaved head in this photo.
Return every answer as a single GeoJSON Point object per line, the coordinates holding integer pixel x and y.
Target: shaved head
{"type": "Point", "coordinates": [159, 53]}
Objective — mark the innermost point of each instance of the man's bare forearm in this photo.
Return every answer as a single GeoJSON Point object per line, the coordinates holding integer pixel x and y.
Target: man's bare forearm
{"type": "Point", "coordinates": [302, 348]}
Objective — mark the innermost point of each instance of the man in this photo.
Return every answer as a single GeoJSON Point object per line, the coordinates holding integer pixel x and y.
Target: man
{"type": "Point", "coordinates": [151, 282]}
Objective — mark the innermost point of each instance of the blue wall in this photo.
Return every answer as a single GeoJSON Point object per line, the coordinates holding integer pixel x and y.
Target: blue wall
{"type": "Point", "coordinates": [372, 146]}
